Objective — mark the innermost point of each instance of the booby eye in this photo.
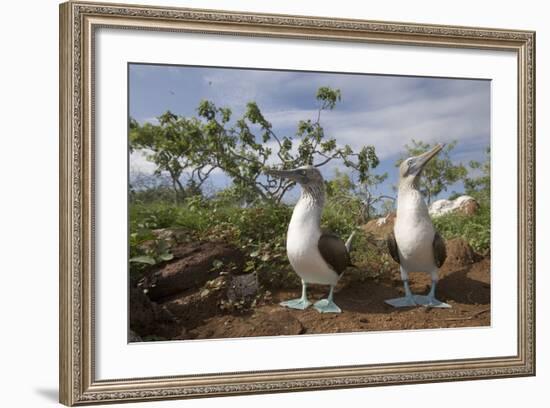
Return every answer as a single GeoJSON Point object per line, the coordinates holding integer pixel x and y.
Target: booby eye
{"type": "Point", "coordinates": [303, 173]}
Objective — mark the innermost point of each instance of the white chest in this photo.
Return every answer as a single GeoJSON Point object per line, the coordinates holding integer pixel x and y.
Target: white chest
{"type": "Point", "coordinates": [414, 233]}
{"type": "Point", "coordinates": [302, 246]}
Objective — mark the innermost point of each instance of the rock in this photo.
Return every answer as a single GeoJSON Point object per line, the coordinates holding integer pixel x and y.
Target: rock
{"type": "Point", "coordinates": [464, 204]}
{"type": "Point", "coordinates": [243, 287]}
{"type": "Point", "coordinates": [191, 268]}
{"type": "Point", "coordinates": [469, 207]}
{"type": "Point", "coordinates": [381, 227]}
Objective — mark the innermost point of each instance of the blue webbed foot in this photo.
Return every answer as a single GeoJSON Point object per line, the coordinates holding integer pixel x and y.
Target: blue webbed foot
{"type": "Point", "coordinates": [327, 306]}
{"type": "Point", "coordinates": [431, 301]}
{"type": "Point", "coordinates": [406, 301]}
{"type": "Point", "coordinates": [300, 304]}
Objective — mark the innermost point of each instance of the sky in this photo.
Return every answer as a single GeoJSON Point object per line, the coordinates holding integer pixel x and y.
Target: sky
{"type": "Point", "coordinates": [384, 111]}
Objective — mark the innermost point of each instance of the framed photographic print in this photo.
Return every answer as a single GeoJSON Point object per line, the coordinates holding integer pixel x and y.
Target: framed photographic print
{"type": "Point", "coordinates": [256, 203]}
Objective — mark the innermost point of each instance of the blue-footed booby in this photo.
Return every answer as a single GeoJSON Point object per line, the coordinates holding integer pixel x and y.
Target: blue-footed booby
{"type": "Point", "coordinates": [414, 243]}
{"type": "Point", "coordinates": [317, 256]}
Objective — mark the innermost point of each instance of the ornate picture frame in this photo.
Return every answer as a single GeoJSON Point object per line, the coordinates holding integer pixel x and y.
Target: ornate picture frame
{"type": "Point", "coordinates": [79, 22]}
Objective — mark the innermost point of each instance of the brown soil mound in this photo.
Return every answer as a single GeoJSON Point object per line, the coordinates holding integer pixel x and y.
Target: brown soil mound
{"type": "Point", "coordinates": [192, 267]}
{"type": "Point", "coordinates": [459, 253]}
{"type": "Point", "coordinates": [379, 228]}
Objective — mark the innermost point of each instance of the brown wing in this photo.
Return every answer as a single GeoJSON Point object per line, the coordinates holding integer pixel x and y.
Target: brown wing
{"type": "Point", "coordinates": [392, 247]}
{"type": "Point", "coordinates": [440, 250]}
{"type": "Point", "coordinates": [334, 252]}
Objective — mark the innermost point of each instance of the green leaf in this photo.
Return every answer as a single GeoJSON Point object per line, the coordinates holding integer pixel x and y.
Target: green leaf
{"type": "Point", "coordinates": [167, 256]}
{"type": "Point", "coordinates": [149, 260]}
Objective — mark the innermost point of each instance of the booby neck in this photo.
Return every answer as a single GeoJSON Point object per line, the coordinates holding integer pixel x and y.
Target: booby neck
{"type": "Point", "coordinates": [310, 205]}
{"type": "Point", "coordinates": [410, 199]}
{"type": "Point", "coordinates": [313, 195]}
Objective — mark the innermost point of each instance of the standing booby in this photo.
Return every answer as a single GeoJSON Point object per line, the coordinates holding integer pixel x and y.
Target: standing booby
{"type": "Point", "coordinates": [414, 243]}
{"type": "Point", "coordinates": [317, 256]}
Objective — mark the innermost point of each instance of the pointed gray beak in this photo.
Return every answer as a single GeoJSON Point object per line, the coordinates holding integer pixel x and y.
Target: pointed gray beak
{"type": "Point", "coordinates": [280, 173]}
{"type": "Point", "coordinates": [293, 174]}
{"type": "Point", "coordinates": [421, 160]}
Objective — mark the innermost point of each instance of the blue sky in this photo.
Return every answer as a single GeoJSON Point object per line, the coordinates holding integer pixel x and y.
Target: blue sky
{"type": "Point", "coordinates": [384, 111]}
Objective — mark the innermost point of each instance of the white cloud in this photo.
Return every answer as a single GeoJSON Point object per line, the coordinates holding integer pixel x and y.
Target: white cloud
{"type": "Point", "coordinates": [463, 118]}
{"type": "Point", "coordinates": [140, 164]}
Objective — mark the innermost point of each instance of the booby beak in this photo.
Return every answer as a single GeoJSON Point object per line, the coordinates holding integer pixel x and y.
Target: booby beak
{"type": "Point", "coordinates": [421, 160]}
{"type": "Point", "coordinates": [297, 175]}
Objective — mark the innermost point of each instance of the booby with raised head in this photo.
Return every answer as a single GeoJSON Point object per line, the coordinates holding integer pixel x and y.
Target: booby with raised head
{"type": "Point", "coordinates": [317, 256]}
{"type": "Point", "coordinates": [414, 243]}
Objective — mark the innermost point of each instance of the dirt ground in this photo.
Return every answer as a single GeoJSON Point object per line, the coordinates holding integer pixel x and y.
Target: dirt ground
{"type": "Point", "coordinates": [466, 289]}
{"type": "Point", "coordinates": [186, 298]}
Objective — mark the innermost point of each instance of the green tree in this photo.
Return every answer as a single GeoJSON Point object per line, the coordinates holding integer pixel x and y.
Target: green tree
{"type": "Point", "coordinates": [479, 185]}
{"type": "Point", "coordinates": [439, 173]}
{"type": "Point", "coordinates": [172, 146]}
{"type": "Point", "coordinates": [148, 188]}
{"type": "Point", "coordinates": [362, 197]}
{"type": "Point", "coordinates": [244, 147]}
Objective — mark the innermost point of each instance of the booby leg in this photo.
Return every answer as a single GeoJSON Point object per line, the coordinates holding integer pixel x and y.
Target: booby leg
{"type": "Point", "coordinates": [430, 300]}
{"type": "Point", "coordinates": [301, 303]}
{"type": "Point", "coordinates": [327, 305]}
{"type": "Point", "coordinates": [408, 299]}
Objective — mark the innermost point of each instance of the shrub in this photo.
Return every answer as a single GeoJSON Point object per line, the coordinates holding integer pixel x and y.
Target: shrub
{"type": "Point", "coordinates": [475, 229]}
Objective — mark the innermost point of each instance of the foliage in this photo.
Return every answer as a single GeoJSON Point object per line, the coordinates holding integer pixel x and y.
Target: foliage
{"type": "Point", "coordinates": [475, 229]}
{"type": "Point", "coordinates": [439, 173]}
{"type": "Point", "coordinates": [359, 199]}
{"type": "Point", "coordinates": [149, 188]}
{"type": "Point", "coordinates": [172, 147]}
{"type": "Point", "coordinates": [260, 232]}
{"type": "Point", "coordinates": [146, 249]}
{"type": "Point", "coordinates": [242, 149]}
